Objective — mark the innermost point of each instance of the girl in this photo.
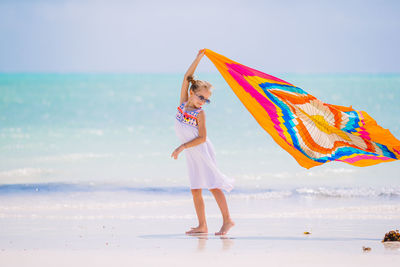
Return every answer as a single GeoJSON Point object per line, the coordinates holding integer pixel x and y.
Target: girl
{"type": "Point", "coordinates": [190, 127]}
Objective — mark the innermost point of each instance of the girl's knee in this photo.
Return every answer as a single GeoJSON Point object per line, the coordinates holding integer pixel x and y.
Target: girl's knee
{"type": "Point", "coordinates": [196, 191]}
{"type": "Point", "coordinates": [214, 190]}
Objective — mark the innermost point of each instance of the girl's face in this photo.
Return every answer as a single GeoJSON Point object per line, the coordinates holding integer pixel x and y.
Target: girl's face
{"type": "Point", "coordinates": [199, 97]}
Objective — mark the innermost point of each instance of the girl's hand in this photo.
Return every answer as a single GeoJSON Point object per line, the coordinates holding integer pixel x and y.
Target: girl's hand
{"type": "Point", "coordinates": [177, 151]}
{"type": "Point", "coordinates": [201, 53]}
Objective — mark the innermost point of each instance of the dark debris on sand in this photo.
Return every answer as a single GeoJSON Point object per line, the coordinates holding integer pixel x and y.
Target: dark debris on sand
{"type": "Point", "coordinates": [392, 236]}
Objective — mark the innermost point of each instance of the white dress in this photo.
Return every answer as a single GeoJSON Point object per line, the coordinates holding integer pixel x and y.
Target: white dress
{"type": "Point", "coordinates": [201, 163]}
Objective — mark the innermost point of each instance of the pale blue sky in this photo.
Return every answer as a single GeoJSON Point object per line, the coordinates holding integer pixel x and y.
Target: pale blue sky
{"type": "Point", "coordinates": [164, 36]}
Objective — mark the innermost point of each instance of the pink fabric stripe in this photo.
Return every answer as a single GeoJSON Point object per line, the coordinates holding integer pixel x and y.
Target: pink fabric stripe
{"type": "Point", "coordinates": [244, 70]}
{"type": "Point", "coordinates": [365, 135]}
{"type": "Point", "coordinates": [264, 102]}
{"type": "Point", "coordinates": [361, 157]}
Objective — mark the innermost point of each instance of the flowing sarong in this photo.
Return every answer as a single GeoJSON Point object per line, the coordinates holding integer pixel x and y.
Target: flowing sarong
{"type": "Point", "coordinates": [312, 131]}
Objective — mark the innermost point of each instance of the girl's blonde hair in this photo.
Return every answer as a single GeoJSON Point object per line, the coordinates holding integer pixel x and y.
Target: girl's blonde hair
{"type": "Point", "coordinates": [198, 84]}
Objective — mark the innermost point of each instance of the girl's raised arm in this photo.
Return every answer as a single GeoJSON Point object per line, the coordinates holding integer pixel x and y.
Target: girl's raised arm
{"type": "Point", "coordinates": [189, 72]}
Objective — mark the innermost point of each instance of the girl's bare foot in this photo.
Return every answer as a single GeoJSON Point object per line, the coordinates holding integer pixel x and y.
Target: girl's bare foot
{"type": "Point", "coordinates": [225, 227]}
{"type": "Point", "coordinates": [198, 229]}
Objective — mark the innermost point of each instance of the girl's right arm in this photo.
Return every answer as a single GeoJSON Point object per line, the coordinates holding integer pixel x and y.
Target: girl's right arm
{"type": "Point", "coordinates": [189, 72]}
{"type": "Point", "coordinates": [201, 138]}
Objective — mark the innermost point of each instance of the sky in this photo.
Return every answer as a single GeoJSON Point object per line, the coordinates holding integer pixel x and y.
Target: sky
{"type": "Point", "coordinates": [164, 36]}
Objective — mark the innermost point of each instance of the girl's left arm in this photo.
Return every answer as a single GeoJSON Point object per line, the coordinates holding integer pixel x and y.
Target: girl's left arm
{"type": "Point", "coordinates": [201, 138]}
{"type": "Point", "coordinates": [185, 84]}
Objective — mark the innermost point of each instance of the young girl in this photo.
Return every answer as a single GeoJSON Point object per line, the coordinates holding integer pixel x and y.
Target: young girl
{"type": "Point", "coordinates": [190, 127]}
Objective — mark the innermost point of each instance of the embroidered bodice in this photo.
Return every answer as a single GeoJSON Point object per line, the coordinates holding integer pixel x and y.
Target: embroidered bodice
{"type": "Point", "coordinates": [187, 117]}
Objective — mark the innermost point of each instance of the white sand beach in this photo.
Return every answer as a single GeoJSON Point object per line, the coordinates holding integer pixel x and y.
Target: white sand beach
{"type": "Point", "coordinates": [130, 229]}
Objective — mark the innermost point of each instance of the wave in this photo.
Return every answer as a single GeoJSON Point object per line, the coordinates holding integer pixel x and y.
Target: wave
{"type": "Point", "coordinates": [65, 187]}
{"type": "Point", "coordinates": [380, 212]}
{"type": "Point", "coordinates": [72, 157]}
{"type": "Point", "coordinates": [25, 172]}
{"type": "Point", "coordinates": [237, 193]}
{"type": "Point", "coordinates": [327, 172]}
{"type": "Point", "coordinates": [349, 192]}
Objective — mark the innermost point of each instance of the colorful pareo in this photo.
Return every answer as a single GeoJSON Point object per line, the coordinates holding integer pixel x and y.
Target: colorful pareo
{"type": "Point", "coordinates": [312, 131]}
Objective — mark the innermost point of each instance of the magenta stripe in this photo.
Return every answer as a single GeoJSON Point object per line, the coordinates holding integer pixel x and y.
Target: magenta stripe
{"type": "Point", "coordinates": [246, 71]}
{"type": "Point", "coordinates": [364, 135]}
{"type": "Point", "coordinates": [361, 157]}
{"type": "Point", "coordinates": [264, 102]}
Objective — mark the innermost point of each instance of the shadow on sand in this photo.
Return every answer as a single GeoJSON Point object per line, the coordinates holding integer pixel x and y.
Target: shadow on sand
{"type": "Point", "coordinates": [230, 237]}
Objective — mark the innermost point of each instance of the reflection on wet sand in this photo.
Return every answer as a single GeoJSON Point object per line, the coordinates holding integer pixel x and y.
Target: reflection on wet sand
{"type": "Point", "coordinates": [227, 242]}
{"type": "Point", "coordinates": [394, 245]}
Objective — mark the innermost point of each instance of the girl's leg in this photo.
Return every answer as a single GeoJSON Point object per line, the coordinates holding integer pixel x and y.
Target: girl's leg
{"type": "Point", "coordinates": [223, 206]}
{"type": "Point", "coordinates": [200, 211]}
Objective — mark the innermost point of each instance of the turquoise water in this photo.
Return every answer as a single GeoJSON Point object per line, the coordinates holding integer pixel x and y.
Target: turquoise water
{"type": "Point", "coordinates": [118, 129]}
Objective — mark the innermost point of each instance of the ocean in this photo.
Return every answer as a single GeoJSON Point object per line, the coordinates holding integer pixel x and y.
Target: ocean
{"type": "Point", "coordinates": [118, 129]}
{"type": "Point", "coordinates": [74, 133]}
